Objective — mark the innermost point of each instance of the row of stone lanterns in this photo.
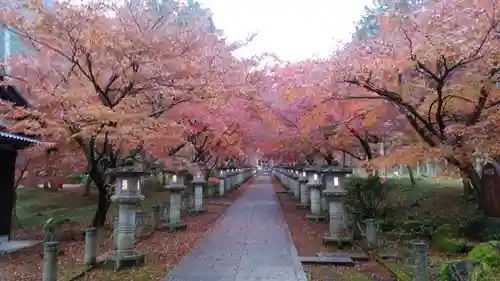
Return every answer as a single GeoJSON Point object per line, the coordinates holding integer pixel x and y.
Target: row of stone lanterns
{"type": "Point", "coordinates": [128, 195]}
{"type": "Point", "coordinates": [320, 190]}
{"type": "Point", "coordinates": [230, 179]}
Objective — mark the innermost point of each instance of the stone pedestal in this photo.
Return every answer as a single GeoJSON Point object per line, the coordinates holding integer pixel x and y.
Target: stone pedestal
{"type": "Point", "coordinates": [421, 261]}
{"type": "Point", "coordinates": [140, 223]}
{"type": "Point", "coordinates": [199, 181]}
{"type": "Point", "coordinates": [304, 192]}
{"type": "Point", "coordinates": [50, 250]}
{"type": "Point", "coordinates": [286, 180]}
{"type": "Point", "coordinates": [90, 251]}
{"type": "Point", "coordinates": [184, 202]}
{"type": "Point", "coordinates": [166, 210]}
{"type": "Point", "coordinates": [338, 231]}
{"type": "Point", "coordinates": [241, 177]}
{"type": "Point", "coordinates": [175, 222]}
{"type": "Point", "coordinates": [315, 186]}
{"type": "Point", "coordinates": [324, 204]}
{"type": "Point", "coordinates": [127, 196]}
{"type": "Point", "coordinates": [229, 182]}
{"type": "Point", "coordinates": [296, 186]}
{"type": "Point", "coordinates": [290, 179]}
{"type": "Point", "coordinates": [222, 182]}
{"type": "Point", "coordinates": [165, 207]}
{"type": "Point", "coordinates": [315, 215]}
{"type": "Point", "coordinates": [371, 233]}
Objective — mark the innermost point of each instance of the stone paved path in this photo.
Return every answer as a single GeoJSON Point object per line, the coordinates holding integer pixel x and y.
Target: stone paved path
{"type": "Point", "coordinates": [250, 242]}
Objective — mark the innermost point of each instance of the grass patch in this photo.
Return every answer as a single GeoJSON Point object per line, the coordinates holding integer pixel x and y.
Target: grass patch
{"type": "Point", "coordinates": [430, 201]}
{"type": "Point", "coordinates": [339, 273]}
{"type": "Point", "coordinates": [145, 273]}
{"type": "Point", "coordinates": [36, 205]}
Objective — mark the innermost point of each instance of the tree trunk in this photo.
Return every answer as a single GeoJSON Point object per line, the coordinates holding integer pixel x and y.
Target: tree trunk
{"type": "Point", "coordinates": [103, 200]}
{"type": "Point", "coordinates": [471, 181]}
{"type": "Point", "coordinates": [102, 207]}
{"type": "Point", "coordinates": [15, 218]}
{"type": "Point", "coordinates": [412, 177]}
{"type": "Point", "coordinates": [87, 187]}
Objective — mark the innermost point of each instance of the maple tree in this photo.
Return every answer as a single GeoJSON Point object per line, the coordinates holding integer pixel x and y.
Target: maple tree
{"type": "Point", "coordinates": [439, 70]}
{"type": "Point", "coordinates": [423, 83]}
{"type": "Point", "coordinates": [108, 82]}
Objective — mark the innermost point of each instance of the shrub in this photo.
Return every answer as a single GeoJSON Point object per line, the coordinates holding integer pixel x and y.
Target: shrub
{"type": "Point", "coordinates": [368, 196]}
{"type": "Point", "coordinates": [487, 255]}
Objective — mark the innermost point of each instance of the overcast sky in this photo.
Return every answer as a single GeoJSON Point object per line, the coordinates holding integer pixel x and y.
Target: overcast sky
{"type": "Point", "coordinates": [293, 29]}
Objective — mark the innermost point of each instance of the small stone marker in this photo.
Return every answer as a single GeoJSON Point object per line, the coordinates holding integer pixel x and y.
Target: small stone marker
{"type": "Point", "coordinates": [90, 253]}
{"type": "Point", "coordinates": [462, 270]}
{"type": "Point", "coordinates": [338, 260]}
{"type": "Point", "coordinates": [421, 261]}
{"type": "Point", "coordinates": [50, 250]}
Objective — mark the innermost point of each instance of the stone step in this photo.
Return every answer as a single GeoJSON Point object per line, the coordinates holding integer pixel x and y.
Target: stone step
{"type": "Point", "coordinates": [337, 260]}
{"type": "Point", "coordinates": [356, 256]}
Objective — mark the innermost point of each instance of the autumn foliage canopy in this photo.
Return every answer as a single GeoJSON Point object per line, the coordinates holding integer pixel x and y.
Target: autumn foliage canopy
{"type": "Point", "coordinates": [423, 86]}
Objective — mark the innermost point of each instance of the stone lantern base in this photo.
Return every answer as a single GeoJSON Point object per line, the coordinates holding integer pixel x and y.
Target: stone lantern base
{"type": "Point", "coordinates": [198, 212]}
{"type": "Point", "coordinates": [124, 261]}
{"type": "Point", "coordinates": [303, 206]}
{"type": "Point", "coordinates": [175, 222]}
{"type": "Point", "coordinates": [174, 226]}
{"type": "Point", "coordinates": [339, 240]}
{"type": "Point", "coordinates": [313, 218]}
{"type": "Point", "coordinates": [337, 234]}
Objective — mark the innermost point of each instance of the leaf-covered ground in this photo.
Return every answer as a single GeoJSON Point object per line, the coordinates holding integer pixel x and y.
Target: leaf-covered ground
{"type": "Point", "coordinates": [163, 250]}
{"type": "Point", "coordinates": [308, 241]}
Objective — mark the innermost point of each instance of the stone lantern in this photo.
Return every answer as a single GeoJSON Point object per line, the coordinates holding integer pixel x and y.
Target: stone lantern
{"type": "Point", "coordinates": [176, 187]}
{"type": "Point", "coordinates": [296, 184]}
{"type": "Point", "coordinates": [335, 191]}
{"type": "Point", "coordinates": [166, 204]}
{"type": "Point", "coordinates": [290, 180]}
{"type": "Point", "coordinates": [127, 196]}
{"type": "Point", "coordinates": [222, 180]}
{"type": "Point", "coordinates": [241, 177]}
{"type": "Point", "coordinates": [228, 184]}
{"type": "Point", "coordinates": [198, 181]}
{"type": "Point", "coordinates": [304, 191]}
{"type": "Point", "coordinates": [315, 186]}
